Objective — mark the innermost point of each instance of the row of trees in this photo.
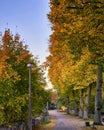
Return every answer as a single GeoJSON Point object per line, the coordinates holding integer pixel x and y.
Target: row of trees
{"type": "Point", "coordinates": [76, 60]}
{"type": "Point", "coordinates": [14, 57]}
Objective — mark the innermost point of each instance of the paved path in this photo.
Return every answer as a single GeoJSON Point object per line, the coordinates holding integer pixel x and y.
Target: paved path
{"type": "Point", "coordinates": [66, 122]}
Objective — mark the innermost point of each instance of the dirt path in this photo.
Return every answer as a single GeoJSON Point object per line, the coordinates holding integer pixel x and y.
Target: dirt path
{"type": "Point", "coordinates": [66, 122]}
{"type": "Point", "coordinates": [61, 121]}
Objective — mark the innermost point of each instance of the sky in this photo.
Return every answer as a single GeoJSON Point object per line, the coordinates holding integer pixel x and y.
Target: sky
{"type": "Point", "coordinates": [29, 19]}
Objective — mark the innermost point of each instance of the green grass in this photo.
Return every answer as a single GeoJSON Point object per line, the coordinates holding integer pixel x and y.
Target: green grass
{"type": "Point", "coordinates": [46, 122]}
{"type": "Point", "coordinates": [47, 125]}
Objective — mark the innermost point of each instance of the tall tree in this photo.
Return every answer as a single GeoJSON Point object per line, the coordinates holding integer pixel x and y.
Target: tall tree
{"type": "Point", "coordinates": [91, 35]}
{"type": "Point", "coordinates": [14, 96]}
{"type": "Point", "coordinates": [80, 25]}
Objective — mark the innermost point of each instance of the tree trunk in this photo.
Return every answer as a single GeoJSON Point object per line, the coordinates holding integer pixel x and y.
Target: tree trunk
{"type": "Point", "coordinates": [68, 108]}
{"type": "Point", "coordinates": [81, 104]}
{"type": "Point", "coordinates": [75, 108]}
{"type": "Point", "coordinates": [86, 104]}
{"type": "Point", "coordinates": [75, 104]}
{"type": "Point", "coordinates": [98, 98]}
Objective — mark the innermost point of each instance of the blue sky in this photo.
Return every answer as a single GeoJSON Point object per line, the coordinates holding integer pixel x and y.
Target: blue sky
{"type": "Point", "coordinates": [30, 17]}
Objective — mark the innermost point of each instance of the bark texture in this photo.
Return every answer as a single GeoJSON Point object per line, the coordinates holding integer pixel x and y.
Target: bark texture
{"type": "Point", "coordinates": [81, 104]}
{"type": "Point", "coordinates": [86, 104]}
{"type": "Point", "coordinates": [98, 98]}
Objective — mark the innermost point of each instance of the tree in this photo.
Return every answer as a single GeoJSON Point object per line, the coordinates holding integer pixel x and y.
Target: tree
{"type": "Point", "coordinates": [91, 36]}
{"type": "Point", "coordinates": [80, 24]}
{"type": "Point", "coordinates": [14, 96]}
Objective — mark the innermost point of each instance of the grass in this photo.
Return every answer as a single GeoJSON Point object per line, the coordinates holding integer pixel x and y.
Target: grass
{"type": "Point", "coordinates": [46, 122]}
{"type": "Point", "coordinates": [47, 125]}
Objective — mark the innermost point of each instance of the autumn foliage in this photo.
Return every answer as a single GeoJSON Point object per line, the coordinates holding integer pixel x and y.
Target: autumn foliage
{"type": "Point", "coordinates": [76, 60]}
{"type": "Point", "coordinates": [14, 57]}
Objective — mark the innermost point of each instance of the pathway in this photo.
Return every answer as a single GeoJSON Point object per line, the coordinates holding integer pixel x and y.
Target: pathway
{"type": "Point", "coordinates": [66, 122]}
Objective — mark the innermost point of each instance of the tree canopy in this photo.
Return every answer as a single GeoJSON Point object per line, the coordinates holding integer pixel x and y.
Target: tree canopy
{"type": "Point", "coordinates": [14, 94]}
{"type": "Point", "coordinates": [77, 46]}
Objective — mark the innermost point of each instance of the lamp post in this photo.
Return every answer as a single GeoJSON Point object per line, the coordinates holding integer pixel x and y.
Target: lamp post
{"type": "Point", "coordinates": [30, 102]}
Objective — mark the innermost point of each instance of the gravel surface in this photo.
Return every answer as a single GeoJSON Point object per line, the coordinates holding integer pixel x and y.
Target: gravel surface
{"type": "Point", "coordinates": [62, 121]}
{"type": "Point", "coordinates": [66, 122]}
